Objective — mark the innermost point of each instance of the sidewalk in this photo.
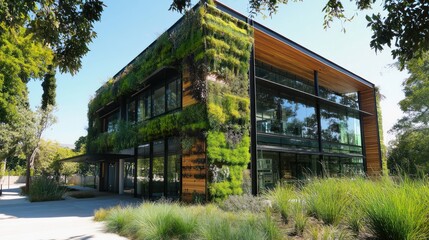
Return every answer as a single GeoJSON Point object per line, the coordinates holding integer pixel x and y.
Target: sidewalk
{"type": "Point", "coordinates": [69, 219]}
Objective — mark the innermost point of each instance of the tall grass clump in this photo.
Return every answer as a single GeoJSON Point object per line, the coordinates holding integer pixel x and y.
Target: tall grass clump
{"type": "Point", "coordinates": [281, 196]}
{"type": "Point", "coordinates": [328, 199]}
{"type": "Point", "coordinates": [45, 189]}
{"type": "Point", "coordinates": [176, 221]}
{"type": "Point", "coordinates": [299, 215]}
{"type": "Point", "coordinates": [397, 210]}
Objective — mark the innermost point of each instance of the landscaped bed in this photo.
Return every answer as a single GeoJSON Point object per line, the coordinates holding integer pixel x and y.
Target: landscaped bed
{"type": "Point", "coordinates": [321, 209]}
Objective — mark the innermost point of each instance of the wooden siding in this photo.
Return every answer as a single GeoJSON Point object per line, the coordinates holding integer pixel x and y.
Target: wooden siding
{"type": "Point", "coordinates": [371, 137]}
{"type": "Point", "coordinates": [278, 54]}
{"type": "Point", "coordinates": [194, 172]}
{"type": "Point", "coordinates": [187, 98]}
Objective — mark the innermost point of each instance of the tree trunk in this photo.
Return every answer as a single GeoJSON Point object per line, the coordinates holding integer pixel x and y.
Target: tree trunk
{"type": "Point", "coordinates": [30, 161]}
{"type": "Point", "coordinates": [28, 175]}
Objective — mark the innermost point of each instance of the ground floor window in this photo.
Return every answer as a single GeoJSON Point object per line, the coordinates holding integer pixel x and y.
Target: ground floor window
{"type": "Point", "coordinates": [158, 169]}
{"type": "Point", "coordinates": [279, 167]}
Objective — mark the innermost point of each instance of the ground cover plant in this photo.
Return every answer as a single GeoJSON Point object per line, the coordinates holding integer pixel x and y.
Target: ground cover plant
{"type": "Point", "coordinates": [340, 208]}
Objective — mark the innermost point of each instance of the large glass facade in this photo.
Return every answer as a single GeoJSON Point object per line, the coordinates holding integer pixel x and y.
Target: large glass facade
{"type": "Point", "coordinates": [158, 169]}
{"type": "Point", "coordinates": [158, 100]}
{"type": "Point", "coordinates": [287, 129]}
{"type": "Point", "coordinates": [340, 131]}
{"type": "Point", "coordinates": [284, 120]}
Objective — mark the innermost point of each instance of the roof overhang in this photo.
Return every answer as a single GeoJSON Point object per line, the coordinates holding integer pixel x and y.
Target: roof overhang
{"type": "Point", "coordinates": [279, 51]}
{"type": "Point", "coordinates": [93, 158]}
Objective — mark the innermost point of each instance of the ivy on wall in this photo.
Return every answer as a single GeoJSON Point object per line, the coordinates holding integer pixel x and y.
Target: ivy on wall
{"type": "Point", "coordinates": [215, 48]}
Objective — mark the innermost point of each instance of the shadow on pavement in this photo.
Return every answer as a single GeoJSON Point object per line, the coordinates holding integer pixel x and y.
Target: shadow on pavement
{"type": "Point", "coordinates": [12, 205]}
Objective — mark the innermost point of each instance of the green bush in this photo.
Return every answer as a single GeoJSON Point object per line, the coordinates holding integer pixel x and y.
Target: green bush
{"type": "Point", "coordinates": [45, 189]}
{"type": "Point", "coordinates": [397, 211]}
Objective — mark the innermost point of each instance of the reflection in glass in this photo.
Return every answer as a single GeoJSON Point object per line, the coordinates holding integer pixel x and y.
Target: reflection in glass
{"type": "Point", "coordinates": [158, 101]}
{"type": "Point", "coordinates": [173, 171]}
{"type": "Point", "coordinates": [274, 74]}
{"type": "Point", "coordinates": [143, 167]}
{"type": "Point", "coordinates": [131, 111]}
{"type": "Point", "coordinates": [129, 177]}
{"type": "Point", "coordinates": [340, 130]}
{"type": "Point", "coordinates": [158, 169]}
{"type": "Point", "coordinates": [144, 107]}
{"type": "Point", "coordinates": [112, 121]}
{"type": "Point", "coordinates": [173, 95]}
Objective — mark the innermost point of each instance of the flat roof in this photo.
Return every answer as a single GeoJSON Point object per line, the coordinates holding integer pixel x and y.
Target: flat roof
{"type": "Point", "coordinates": [271, 33]}
{"type": "Point", "coordinates": [97, 157]}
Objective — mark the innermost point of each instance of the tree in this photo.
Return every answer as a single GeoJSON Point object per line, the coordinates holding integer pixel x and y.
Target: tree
{"type": "Point", "coordinates": [406, 23]}
{"type": "Point", "coordinates": [410, 151]}
{"type": "Point", "coordinates": [39, 122]}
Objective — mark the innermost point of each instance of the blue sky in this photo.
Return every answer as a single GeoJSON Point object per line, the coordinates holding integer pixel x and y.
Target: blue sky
{"type": "Point", "coordinates": [128, 27]}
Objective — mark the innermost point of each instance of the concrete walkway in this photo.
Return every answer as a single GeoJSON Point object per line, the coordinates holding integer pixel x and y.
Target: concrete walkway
{"type": "Point", "coordinates": [69, 219]}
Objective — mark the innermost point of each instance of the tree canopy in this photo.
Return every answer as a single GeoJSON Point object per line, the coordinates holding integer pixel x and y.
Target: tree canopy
{"type": "Point", "coordinates": [410, 150]}
{"type": "Point", "coordinates": [64, 26]}
{"type": "Point", "coordinates": [404, 25]}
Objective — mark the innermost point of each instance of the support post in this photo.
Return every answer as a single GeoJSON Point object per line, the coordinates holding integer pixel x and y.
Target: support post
{"type": "Point", "coordinates": [121, 176]}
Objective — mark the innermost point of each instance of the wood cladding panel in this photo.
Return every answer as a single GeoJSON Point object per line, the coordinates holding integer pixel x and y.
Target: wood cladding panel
{"type": "Point", "coordinates": [187, 98]}
{"type": "Point", "coordinates": [194, 172]}
{"type": "Point", "coordinates": [371, 138]}
{"type": "Point", "coordinates": [276, 53]}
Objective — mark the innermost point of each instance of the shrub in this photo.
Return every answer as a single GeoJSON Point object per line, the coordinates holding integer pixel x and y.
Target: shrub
{"type": "Point", "coordinates": [236, 203]}
{"type": "Point", "coordinates": [328, 199]}
{"type": "Point", "coordinates": [397, 211]}
{"type": "Point", "coordinates": [45, 189]}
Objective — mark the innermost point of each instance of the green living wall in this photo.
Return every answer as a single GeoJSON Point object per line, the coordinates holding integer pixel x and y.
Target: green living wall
{"type": "Point", "coordinates": [215, 49]}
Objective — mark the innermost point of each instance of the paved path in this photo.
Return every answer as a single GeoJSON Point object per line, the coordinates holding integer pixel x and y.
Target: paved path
{"type": "Point", "coordinates": [69, 219]}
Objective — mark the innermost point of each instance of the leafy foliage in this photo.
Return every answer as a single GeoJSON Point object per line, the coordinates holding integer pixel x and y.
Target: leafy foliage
{"type": "Point", "coordinates": [405, 25]}
{"type": "Point", "coordinates": [21, 59]}
{"type": "Point", "coordinates": [49, 87]}
{"type": "Point", "coordinates": [65, 26]}
{"type": "Point", "coordinates": [409, 152]}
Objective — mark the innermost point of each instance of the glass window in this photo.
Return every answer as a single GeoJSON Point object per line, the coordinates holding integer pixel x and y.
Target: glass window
{"type": "Point", "coordinates": [131, 111]}
{"type": "Point", "coordinates": [340, 131]}
{"type": "Point", "coordinates": [173, 95]}
{"type": "Point", "coordinates": [144, 107]}
{"type": "Point", "coordinates": [347, 99]}
{"type": "Point", "coordinates": [284, 114]}
{"type": "Point", "coordinates": [112, 121]}
{"type": "Point", "coordinates": [285, 121]}
{"type": "Point", "coordinates": [158, 169]}
{"type": "Point", "coordinates": [354, 133]}
{"type": "Point", "coordinates": [158, 98]}
{"type": "Point", "coordinates": [274, 74]}
{"type": "Point", "coordinates": [143, 170]}
{"type": "Point", "coordinates": [173, 172]}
